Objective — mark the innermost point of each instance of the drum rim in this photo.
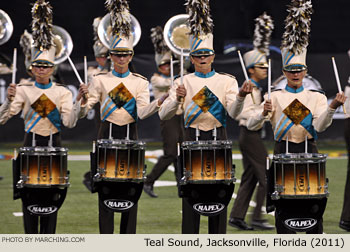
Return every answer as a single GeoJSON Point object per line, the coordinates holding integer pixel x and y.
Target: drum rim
{"type": "Point", "coordinates": [120, 141]}
{"type": "Point", "coordinates": [207, 143]}
{"type": "Point", "coordinates": [298, 156]}
{"type": "Point", "coordinates": [42, 149]}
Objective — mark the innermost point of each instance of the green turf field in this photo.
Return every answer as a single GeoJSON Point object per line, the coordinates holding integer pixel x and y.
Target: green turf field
{"type": "Point", "coordinates": [162, 215]}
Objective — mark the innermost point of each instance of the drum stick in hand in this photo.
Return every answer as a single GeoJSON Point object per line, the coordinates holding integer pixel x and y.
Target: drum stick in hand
{"type": "Point", "coordinates": [337, 79]}
{"type": "Point", "coordinates": [14, 69]}
{"type": "Point", "coordinates": [86, 96]}
{"type": "Point", "coordinates": [245, 72]}
{"type": "Point", "coordinates": [85, 71]}
{"type": "Point", "coordinates": [269, 81]}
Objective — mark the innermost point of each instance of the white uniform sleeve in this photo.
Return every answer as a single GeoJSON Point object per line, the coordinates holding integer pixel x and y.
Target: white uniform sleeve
{"type": "Point", "coordinates": [323, 116]}
{"type": "Point", "coordinates": [144, 107]}
{"type": "Point", "coordinates": [169, 107]}
{"type": "Point", "coordinates": [67, 115]}
{"type": "Point", "coordinates": [9, 109]}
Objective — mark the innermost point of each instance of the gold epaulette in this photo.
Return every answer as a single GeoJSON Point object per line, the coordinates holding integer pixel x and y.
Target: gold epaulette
{"type": "Point", "coordinates": [228, 75]}
{"type": "Point", "coordinates": [139, 75]}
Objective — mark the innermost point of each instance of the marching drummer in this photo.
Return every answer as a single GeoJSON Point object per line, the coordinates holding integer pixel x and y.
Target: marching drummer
{"type": "Point", "coordinates": [123, 96]}
{"type": "Point", "coordinates": [296, 114]}
{"type": "Point", "coordinates": [103, 66]}
{"type": "Point", "coordinates": [206, 96]}
{"type": "Point", "coordinates": [251, 145]}
{"type": "Point", "coordinates": [46, 106]}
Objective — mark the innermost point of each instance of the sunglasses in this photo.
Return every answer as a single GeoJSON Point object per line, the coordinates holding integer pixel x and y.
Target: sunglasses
{"type": "Point", "coordinates": [200, 56]}
{"type": "Point", "coordinates": [43, 67]}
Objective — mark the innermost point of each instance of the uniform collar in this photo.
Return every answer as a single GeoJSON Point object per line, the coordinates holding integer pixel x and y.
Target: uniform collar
{"type": "Point", "coordinates": [43, 86]}
{"type": "Point", "coordinates": [292, 90]}
{"type": "Point", "coordinates": [256, 83]}
{"type": "Point", "coordinates": [121, 75]}
{"type": "Point", "coordinates": [202, 75]}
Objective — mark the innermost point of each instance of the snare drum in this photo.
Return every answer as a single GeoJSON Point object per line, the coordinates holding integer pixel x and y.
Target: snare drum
{"type": "Point", "coordinates": [120, 160]}
{"type": "Point", "coordinates": [207, 162]}
{"type": "Point", "coordinates": [300, 175]}
{"type": "Point", "coordinates": [43, 167]}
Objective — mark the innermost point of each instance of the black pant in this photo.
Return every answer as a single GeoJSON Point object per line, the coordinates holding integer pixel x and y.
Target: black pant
{"type": "Point", "coordinates": [345, 215]}
{"type": "Point", "coordinates": [254, 163]}
{"type": "Point", "coordinates": [47, 223]}
{"type": "Point", "coordinates": [191, 220]}
{"type": "Point", "coordinates": [172, 133]}
{"type": "Point", "coordinates": [106, 220]}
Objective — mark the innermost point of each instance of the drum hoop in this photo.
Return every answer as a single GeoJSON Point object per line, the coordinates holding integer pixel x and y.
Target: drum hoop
{"type": "Point", "coordinates": [210, 144]}
{"type": "Point", "coordinates": [299, 157]}
{"type": "Point", "coordinates": [118, 143]}
{"type": "Point", "coordinates": [43, 150]}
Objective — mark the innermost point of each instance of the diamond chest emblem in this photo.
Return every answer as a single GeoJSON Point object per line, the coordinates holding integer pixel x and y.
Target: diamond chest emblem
{"type": "Point", "coordinates": [205, 98]}
{"type": "Point", "coordinates": [43, 106]}
{"type": "Point", "coordinates": [296, 111]}
{"type": "Point", "coordinates": [120, 95]}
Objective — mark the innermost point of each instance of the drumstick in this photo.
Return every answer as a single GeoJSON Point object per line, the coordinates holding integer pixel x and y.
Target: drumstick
{"type": "Point", "coordinates": [245, 72]}
{"type": "Point", "coordinates": [182, 66]}
{"type": "Point", "coordinates": [86, 96]}
{"type": "Point", "coordinates": [287, 144]}
{"type": "Point", "coordinates": [85, 71]}
{"type": "Point", "coordinates": [171, 71]}
{"type": "Point", "coordinates": [178, 149]}
{"type": "Point", "coordinates": [337, 80]}
{"type": "Point", "coordinates": [182, 73]}
{"type": "Point", "coordinates": [197, 133]}
{"type": "Point", "coordinates": [14, 69]}
{"type": "Point", "coordinates": [93, 146]}
{"type": "Point", "coordinates": [269, 81]}
{"type": "Point", "coordinates": [15, 154]}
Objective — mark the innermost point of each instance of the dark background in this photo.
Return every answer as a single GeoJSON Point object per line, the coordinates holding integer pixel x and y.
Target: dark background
{"type": "Point", "coordinates": [233, 23]}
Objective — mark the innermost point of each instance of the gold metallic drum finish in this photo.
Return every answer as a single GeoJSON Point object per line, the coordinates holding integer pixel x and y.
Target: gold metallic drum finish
{"type": "Point", "coordinates": [208, 161]}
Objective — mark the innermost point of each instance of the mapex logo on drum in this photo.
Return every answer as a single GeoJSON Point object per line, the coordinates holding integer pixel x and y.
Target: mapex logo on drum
{"type": "Point", "coordinates": [42, 210]}
{"type": "Point", "coordinates": [118, 204]}
{"type": "Point", "coordinates": [300, 223]}
{"type": "Point", "coordinates": [208, 208]}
